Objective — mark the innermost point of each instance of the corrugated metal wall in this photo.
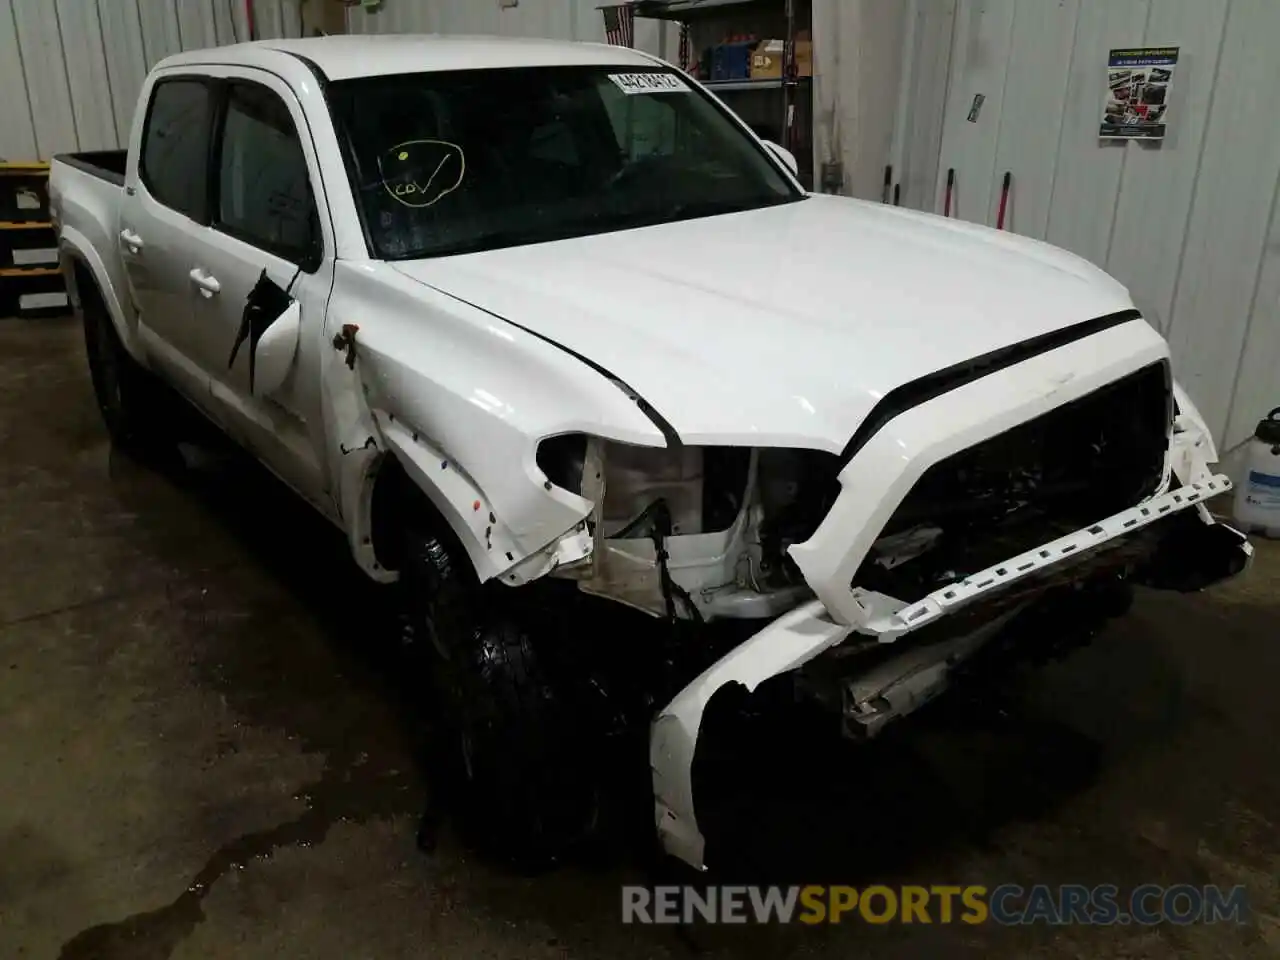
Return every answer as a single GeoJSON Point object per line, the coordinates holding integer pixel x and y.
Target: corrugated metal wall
{"type": "Point", "coordinates": [925, 67]}
{"type": "Point", "coordinates": [70, 70]}
{"type": "Point", "coordinates": [560, 19]}
{"type": "Point", "coordinates": [858, 51]}
{"type": "Point", "coordinates": [1188, 224]}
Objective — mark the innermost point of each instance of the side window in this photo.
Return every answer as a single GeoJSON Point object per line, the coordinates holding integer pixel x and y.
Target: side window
{"type": "Point", "coordinates": [264, 190]}
{"type": "Point", "coordinates": [175, 145]}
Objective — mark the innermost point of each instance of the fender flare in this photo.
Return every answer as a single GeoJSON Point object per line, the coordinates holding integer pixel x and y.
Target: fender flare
{"type": "Point", "coordinates": [488, 543]}
{"type": "Point", "coordinates": [456, 499]}
{"type": "Point", "coordinates": [74, 250]}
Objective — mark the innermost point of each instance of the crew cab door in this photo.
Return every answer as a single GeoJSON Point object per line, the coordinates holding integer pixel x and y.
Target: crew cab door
{"type": "Point", "coordinates": [162, 213]}
{"type": "Point", "coordinates": [262, 276]}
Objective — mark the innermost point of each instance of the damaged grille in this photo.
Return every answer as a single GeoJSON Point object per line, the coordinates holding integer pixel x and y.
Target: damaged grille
{"type": "Point", "coordinates": [1077, 464]}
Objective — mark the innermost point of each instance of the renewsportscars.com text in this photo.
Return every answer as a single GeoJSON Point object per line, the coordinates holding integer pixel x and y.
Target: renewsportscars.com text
{"type": "Point", "coordinates": [1007, 904]}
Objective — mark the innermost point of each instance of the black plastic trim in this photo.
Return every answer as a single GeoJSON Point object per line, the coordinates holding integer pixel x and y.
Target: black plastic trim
{"type": "Point", "coordinates": [910, 395]}
{"type": "Point", "coordinates": [84, 162]}
{"type": "Point", "coordinates": [321, 77]}
{"type": "Point", "coordinates": [219, 88]}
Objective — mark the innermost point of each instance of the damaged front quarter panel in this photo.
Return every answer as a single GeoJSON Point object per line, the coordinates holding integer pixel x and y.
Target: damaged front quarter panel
{"type": "Point", "coordinates": [493, 548]}
{"type": "Point", "coordinates": [463, 411]}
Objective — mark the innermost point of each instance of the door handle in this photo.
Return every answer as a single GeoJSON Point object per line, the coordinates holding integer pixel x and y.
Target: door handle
{"type": "Point", "coordinates": [208, 284]}
{"type": "Point", "coordinates": [131, 240]}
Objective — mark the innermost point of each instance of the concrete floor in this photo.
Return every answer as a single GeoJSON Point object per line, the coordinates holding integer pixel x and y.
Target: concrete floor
{"type": "Point", "coordinates": [203, 753]}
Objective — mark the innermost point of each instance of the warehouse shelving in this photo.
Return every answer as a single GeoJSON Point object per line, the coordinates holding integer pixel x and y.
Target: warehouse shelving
{"type": "Point", "coordinates": [777, 108]}
{"type": "Point", "coordinates": [30, 281]}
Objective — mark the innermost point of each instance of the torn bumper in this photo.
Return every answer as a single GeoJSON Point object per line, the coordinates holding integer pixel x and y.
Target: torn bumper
{"type": "Point", "coordinates": [804, 633]}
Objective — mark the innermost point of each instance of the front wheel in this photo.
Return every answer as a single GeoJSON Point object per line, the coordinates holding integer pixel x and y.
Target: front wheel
{"type": "Point", "coordinates": [517, 749]}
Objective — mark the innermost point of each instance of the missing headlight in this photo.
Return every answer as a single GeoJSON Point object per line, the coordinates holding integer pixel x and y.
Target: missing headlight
{"type": "Point", "coordinates": [561, 459]}
{"type": "Point", "coordinates": [703, 488]}
{"type": "Point", "coordinates": [797, 490]}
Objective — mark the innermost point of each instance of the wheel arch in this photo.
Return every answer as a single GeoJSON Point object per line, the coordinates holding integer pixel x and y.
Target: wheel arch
{"type": "Point", "coordinates": [397, 503]}
{"type": "Point", "coordinates": [85, 272]}
{"type": "Point", "coordinates": [404, 479]}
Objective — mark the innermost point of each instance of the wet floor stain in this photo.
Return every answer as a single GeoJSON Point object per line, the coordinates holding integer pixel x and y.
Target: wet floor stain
{"type": "Point", "coordinates": [351, 790]}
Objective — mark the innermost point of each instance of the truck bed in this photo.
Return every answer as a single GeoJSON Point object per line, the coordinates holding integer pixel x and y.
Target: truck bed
{"type": "Point", "coordinates": [109, 165]}
{"type": "Point", "coordinates": [85, 193]}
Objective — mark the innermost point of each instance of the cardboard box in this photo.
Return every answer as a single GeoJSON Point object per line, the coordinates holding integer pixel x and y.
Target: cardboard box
{"type": "Point", "coordinates": [767, 60]}
{"type": "Point", "coordinates": [323, 17]}
{"type": "Point", "coordinates": [804, 58]}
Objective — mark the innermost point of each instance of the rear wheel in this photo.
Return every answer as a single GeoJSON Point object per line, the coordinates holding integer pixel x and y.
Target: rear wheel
{"type": "Point", "coordinates": [131, 400]}
{"type": "Point", "coordinates": [516, 748]}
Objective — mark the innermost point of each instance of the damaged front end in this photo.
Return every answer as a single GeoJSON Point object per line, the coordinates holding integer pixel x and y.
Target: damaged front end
{"type": "Point", "coordinates": [922, 560]}
{"type": "Point", "coordinates": [1012, 502]}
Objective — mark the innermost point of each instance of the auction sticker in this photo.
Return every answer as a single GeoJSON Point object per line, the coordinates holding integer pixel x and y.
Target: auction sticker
{"type": "Point", "coordinates": [633, 83]}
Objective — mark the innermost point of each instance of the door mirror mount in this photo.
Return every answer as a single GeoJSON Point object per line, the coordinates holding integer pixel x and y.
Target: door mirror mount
{"type": "Point", "coordinates": [276, 350]}
{"type": "Point", "coordinates": [786, 156]}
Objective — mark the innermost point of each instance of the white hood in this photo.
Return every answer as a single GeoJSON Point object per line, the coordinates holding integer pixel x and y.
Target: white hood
{"type": "Point", "coordinates": [782, 326]}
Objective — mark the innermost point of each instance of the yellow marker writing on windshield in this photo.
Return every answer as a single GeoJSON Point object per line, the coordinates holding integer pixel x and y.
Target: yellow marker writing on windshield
{"type": "Point", "coordinates": [405, 185]}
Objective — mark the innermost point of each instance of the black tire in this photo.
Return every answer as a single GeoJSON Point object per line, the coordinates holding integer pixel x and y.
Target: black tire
{"type": "Point", "coordinates": [517, 757]}
{"type": "Point", "coordinates": [131, 400]}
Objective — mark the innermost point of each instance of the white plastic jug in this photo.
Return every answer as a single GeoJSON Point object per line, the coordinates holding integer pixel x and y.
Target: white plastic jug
{"type": "Point", "coordinates": [1258, 496]}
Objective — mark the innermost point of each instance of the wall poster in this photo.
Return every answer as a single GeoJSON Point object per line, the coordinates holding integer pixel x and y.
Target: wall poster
{"type": "Point", "coordinates": [1136, 103]}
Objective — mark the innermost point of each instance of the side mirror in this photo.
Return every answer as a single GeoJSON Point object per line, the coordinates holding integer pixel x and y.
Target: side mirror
{"type": "Point", "coordinates": [276, 349]}
{"type": "Point", "coordinates": [786, 156]}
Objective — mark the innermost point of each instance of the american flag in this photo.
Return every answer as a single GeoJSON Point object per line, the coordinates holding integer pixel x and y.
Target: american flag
{"type": "Point", "coordinates": [620, 25]}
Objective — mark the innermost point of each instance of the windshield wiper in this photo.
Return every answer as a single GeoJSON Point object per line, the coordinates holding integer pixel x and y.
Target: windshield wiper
{"type": "Point", "coordinates": [497, 239]}
{"type": "Point", "coordinates": [597, 223]}
{"type": "Point", "coordinates": [715, 208]}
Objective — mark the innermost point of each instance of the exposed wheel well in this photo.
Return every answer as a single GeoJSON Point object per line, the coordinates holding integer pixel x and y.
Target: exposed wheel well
{"type": "Point", "coordinates": [397, 503]}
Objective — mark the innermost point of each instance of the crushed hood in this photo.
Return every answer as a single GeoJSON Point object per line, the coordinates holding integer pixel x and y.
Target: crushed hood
{"type": "Point", "coordinates": [782, 326]}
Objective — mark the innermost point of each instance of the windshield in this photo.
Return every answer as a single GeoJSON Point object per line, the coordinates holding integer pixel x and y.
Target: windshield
{"type": "Point", "coordinates": [473, 160]}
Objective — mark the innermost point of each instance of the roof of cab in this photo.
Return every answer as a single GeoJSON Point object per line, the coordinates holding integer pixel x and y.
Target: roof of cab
{"type": "Point", "coordinates": [368, 55]}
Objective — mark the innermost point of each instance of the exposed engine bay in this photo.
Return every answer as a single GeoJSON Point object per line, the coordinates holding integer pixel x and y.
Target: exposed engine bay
{"type": "Point", "coordinates": [694, 533]}
{"type": "Point", "coordinates": [704, 532]}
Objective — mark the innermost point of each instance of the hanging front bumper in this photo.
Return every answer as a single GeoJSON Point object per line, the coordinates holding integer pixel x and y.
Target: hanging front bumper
{"type": "Point", "coordinates": [801, 635]}
{"type": "Point", "coordinates": [1190, 548]}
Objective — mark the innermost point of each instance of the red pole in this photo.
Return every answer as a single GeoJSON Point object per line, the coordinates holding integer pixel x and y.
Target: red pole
{"type": "Point", "coordinates": [1004, 199]}
{"type": "Point", "coordinates": [951, 185]}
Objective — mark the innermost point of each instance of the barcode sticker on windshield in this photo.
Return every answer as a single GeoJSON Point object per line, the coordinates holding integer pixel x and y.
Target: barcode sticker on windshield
{"type": "Point", "coordinates": [633, 83]}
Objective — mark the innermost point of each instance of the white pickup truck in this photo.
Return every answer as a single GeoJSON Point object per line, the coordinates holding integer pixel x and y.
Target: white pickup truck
{"type": "Point", "coordinates": [529, 318]}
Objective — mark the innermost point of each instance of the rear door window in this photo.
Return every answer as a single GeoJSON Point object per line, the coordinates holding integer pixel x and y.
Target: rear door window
{"type": "Point", "coordinates": [175, 145]}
